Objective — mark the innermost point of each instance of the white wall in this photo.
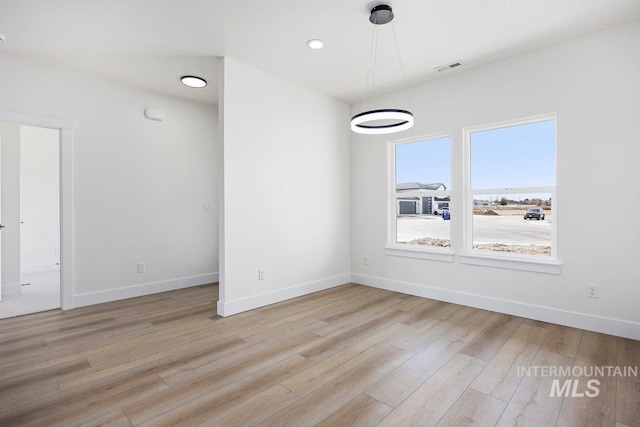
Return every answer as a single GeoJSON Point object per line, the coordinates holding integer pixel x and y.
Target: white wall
{"type": "Point", "coordinates": [593, 84]}
{"type": "Point", "coordinates": [10, 192]}
{"type": "Point", "coordinates": [139, 185]}
{"type": "Point", "coordinates": [285, 189]}
{"type": "Point", "coordinates": [39, 199]}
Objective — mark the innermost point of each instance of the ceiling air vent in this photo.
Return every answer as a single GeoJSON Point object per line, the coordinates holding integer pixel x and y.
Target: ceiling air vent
{"type": "Point", "coordinates": [448, 66]}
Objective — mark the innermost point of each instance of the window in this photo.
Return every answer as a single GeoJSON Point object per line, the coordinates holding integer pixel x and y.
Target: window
{"type": "Point", "coordinates": [511, 190]}
{"type": "Point", "coordinates": [420, 202]}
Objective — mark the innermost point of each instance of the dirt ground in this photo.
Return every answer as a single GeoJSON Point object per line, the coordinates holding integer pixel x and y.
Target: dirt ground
{"type": "Point", "coordinates": [505, 232]}
{"type": "Point", "coordinates": [507, 211]}
{"type": "Point", "coordinates": [500, 247]}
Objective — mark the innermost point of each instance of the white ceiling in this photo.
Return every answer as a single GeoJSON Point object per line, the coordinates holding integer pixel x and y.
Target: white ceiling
{"type": "Point", "coordinates": [151, 43]}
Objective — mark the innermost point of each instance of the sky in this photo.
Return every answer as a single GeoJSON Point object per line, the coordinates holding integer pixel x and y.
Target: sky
{"type": "Point", "coordinates": [515, 156]}
{"type": "Point", "coordinates": [425, 162]}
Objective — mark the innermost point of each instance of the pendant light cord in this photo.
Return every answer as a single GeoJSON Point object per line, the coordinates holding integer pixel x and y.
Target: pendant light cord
{"type": "Point", "coordinates": [395, 39]}
{"type": "Point", "coordinates": [373, 56]}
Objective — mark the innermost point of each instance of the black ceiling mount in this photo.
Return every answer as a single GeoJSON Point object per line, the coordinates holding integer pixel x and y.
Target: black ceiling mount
{"type": "Point", "coordinates": [381, 14]}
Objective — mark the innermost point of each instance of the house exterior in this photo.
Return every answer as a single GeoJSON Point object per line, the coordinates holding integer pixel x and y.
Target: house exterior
{"type": "Point", "coordinates": [415, 198]}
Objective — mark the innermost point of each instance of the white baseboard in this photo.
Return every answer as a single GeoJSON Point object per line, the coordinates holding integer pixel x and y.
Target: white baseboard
{"type": "Point", "coordinates": [605, 325]}
{"type": "Point", "coordinates": [11, 289]}
{"type": "Point", "coordinates": [228, 308]}
{"type": "Point", "coordinates": [39, 268]}
{"type": "Point", "coordinates": [141, 290]}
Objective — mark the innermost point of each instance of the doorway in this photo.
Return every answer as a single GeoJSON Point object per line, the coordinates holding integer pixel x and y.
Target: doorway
{"type": "Point", "coordinates": [40, 217]}
{"type": "Point", "coordinates": [31, 218]}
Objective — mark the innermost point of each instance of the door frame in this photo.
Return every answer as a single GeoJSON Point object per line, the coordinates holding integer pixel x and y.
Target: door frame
{"type": "Point", "coordinates": [65, 129]}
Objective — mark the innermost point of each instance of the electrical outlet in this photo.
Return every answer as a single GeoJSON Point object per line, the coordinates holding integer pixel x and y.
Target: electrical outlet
{"type": "Point", "coordinates": [365, 261]}
{"type": "Point", "coordinates": [593, 291]}
{"type": "Point", "coordinates": [208, 207]}
{"type": "Point", "coordinates": [141, 267]}
{"type": "Point", "coordinates": [260, 274]}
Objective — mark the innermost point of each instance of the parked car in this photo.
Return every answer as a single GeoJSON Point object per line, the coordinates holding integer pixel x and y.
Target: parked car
{"type": "Point", "coordinates": [441, 211]}
{"type": "Point", "coordinates": [536, 213]}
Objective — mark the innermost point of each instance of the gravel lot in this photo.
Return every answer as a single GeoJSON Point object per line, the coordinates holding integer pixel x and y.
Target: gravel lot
{"type": "Point", "coordinates": [510, 230]}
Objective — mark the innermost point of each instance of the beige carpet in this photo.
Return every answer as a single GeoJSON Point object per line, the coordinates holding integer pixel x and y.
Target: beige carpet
{"type": "Point", "coordinates": [42, 294]}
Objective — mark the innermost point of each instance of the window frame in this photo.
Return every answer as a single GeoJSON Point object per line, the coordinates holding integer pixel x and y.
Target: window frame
{"type": "Point", "coordinates": [392, 247]}
{"type": "Point", "coordinates": [538, 263]}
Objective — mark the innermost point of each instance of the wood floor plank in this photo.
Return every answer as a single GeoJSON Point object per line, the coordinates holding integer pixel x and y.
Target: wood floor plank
{"type": "Point", "coordinates": [312, 307]}
{"type": "Point", "coordinates": [347, 317]}
{"type": "Point", "coordinates": [492, 338]}
{"type": "Point", "coordinates": [27, 364]}
{"type": "Point", "coordinates": [242, 360]}
{"type": "Point", "coordinates": [443, 319]}
{"type": "Point", "coordinates": [83, 404]}
{"type": "Point", "coordinates": [477, 320]}
{"type": "Point", "coordinates": [255, 409]}
{"type": "Point", "coordinates": [155, 340]}
{"type": "Point", "coordinates": [426, 311]}
{"type": "Point", "coordinates": [201, 408]}
{"type": "Point", "coordinates": [105, 332]}
{"type": "Point", "coordinates": [425, 314]}
{"type": "Point", "coordinates": [274, 331]}
{"type": "Point", "coordinates": [155, 362]}
{"type": "Point", "coordinates": [310, 311]}
{"type": "Point", "coordinates": [500, 378]}
{"type": "Point", "coordinates": [532, 403]}
{"type": "Point", "coordinates": [16, 396]}
{"type": "Point", "coordinates": [595, 350]}
{"type": "Point", "coordinates": [361, 411]}
{"type": "Point", "coordinates": [562, 340]}
{"type": "Point", "coordinates": [323, 402]}
{"type": "Point", "coordinates": [37, 383]}
{"type": "Point", "coordinates": [628, 386]}
{"type": "Point", "coordinates": [402, 381]}
{"type": "Point", "coordinates": [112, 419]}
{"type": "Point", "coordinates": [474, 409]}
{"type": "Point", "coordinates": [410, 302]}
{"type": "Point", "coordinates": [313, 378]}
{"type": "Point", "coordinates": [206, 382]}
{"type": "Point", "coordinates": [590, 411]}
{"type": "Point", "coordinates": [334, 344]}
{"type": "Point", "coordinates": [431, 401]}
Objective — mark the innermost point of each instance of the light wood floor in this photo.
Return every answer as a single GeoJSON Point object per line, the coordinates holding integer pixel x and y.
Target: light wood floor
{"type": "Point", "coordinates": [351, 355]}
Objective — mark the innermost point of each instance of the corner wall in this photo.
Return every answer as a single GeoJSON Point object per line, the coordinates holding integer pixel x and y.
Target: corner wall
{"type": "Point", "coordinates": [592, 84]}
{"type": "Point", "coordinates": [285, 189]}
{"type": "Point", "coordinates": [139, 185]}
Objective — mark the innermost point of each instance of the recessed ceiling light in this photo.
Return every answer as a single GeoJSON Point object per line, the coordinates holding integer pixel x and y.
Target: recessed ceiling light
{"type": "Point", "coordinates": [193, 81]}
{"type": "Point", "coordinates": [315, 44]}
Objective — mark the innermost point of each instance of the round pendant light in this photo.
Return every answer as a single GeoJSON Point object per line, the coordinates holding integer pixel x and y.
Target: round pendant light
{"type": "Point", "coordinates": [385, 120]}
{"type": "Point", "coordinates": [391, 120]}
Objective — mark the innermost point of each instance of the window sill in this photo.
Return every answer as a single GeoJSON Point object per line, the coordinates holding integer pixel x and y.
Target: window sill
{"type": "Point", "coordinates": [420, 253]}
{"type": "Point", "coordinates": [538, 266]}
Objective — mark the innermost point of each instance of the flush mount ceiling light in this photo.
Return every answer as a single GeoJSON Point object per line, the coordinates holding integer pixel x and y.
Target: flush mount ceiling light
{"type": "Point", "coordinates": [385, 120]}
{"type": "Point", "coordinates": [315, 44]}
{"type": "Point", "coordinates": [193, 81]}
